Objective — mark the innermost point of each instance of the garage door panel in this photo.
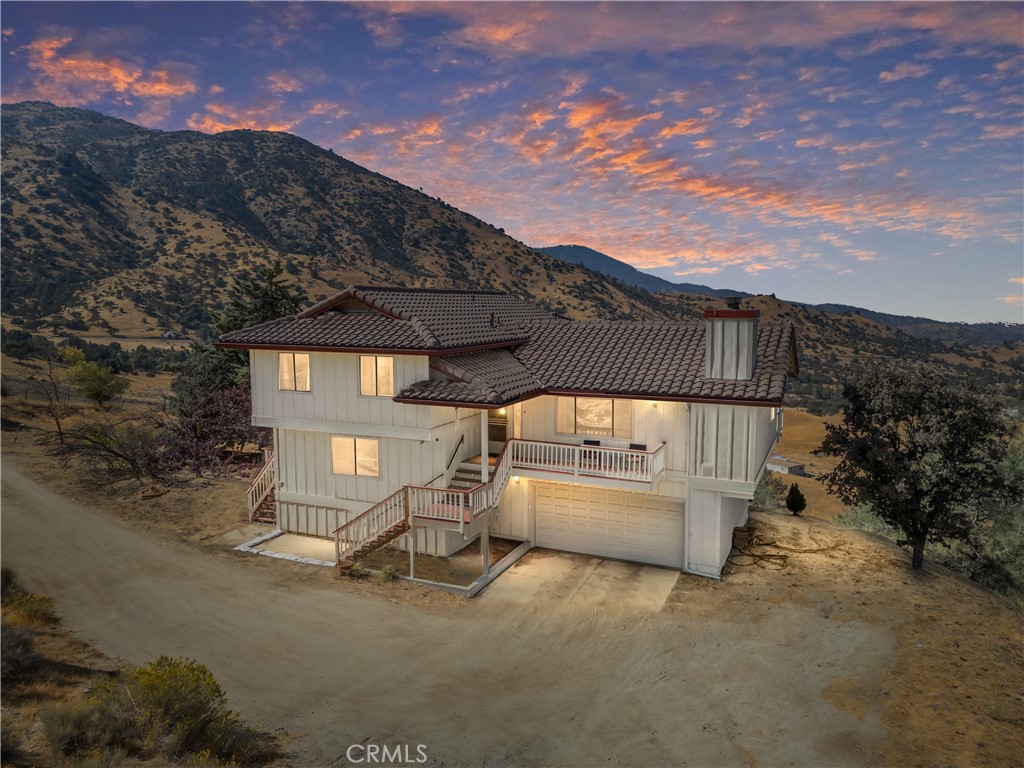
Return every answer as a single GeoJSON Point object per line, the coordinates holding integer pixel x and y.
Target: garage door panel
{"type": "Point", "coordinates": [606, 523]}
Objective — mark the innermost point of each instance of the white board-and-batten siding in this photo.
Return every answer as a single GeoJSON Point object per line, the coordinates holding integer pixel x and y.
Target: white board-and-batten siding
{"type": "Point", "coordinates": [729, 442]}
{"type": "Point", "coordinates": [334, 394]}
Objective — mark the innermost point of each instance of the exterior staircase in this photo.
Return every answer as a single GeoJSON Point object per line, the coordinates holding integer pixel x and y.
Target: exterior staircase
{"type": "Point", "coordinates": [466, 477]}
{"type": "Point", "coordinates": [266, 512]}
{"type": "Point", "coordinates": [384, 537]}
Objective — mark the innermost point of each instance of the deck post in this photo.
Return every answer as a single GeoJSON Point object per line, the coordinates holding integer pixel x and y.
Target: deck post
{"type": "Point", "coordinates": [485, 547]}
{"type": "Point", "coordinates": [412, 550]}
{"type": "Point", "coordinates": [485, 454]}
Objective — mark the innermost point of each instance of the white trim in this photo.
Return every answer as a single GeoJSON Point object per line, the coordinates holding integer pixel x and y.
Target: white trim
{"type": "Point", "coordinates": [348, 428]}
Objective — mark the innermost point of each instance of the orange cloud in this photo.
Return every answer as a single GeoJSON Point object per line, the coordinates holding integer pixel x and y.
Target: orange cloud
{"type": "Point", "coordinates": [81, 78]}
{"type": "Point", "coordinates": [684, 128]}
{"type": "Point", "coordinates": [224, 117]}
{"type": "Point", "coordinates": [1012, 299]}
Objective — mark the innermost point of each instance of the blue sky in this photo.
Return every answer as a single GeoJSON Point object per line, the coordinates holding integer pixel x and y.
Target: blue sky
{"type": "Point", "coordinates": [861, 153]}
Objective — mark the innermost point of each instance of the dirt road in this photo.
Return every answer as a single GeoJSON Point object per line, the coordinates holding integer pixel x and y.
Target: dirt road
{"type": "Point", "coordinates": [547, 668]}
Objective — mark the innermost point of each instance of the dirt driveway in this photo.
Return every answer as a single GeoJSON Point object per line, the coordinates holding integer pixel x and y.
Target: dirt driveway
{"type": "Point", "coordinates": [563, 661]}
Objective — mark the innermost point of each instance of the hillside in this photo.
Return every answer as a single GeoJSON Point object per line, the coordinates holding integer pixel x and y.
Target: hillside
{"type": "Point", "coordinates": [109, 228]}
{"type": "Point", "coordinates": [113, 231]}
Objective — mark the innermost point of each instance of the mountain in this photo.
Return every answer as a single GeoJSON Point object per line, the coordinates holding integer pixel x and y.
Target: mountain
{"type": "Point", "coordinates": [959, 333]}
{"type": "Point", "coordinates": [113, 231]}
{"type": "Point", "coordinates": [606, 265]}
{"type": "Point", "coordinates": [110, 228]}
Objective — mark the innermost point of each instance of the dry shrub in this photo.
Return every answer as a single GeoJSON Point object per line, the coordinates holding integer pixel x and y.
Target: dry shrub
{"type": "Point", "coordinates": [31, 608]}
{"type": "Point", "coordinates": [18, 654]}
{"type": "Point", "coordinates": [170, 708]}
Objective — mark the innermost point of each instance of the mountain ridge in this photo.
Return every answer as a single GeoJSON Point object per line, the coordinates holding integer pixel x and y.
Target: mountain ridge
{"type": "Point", "coordinates": [923, 327]}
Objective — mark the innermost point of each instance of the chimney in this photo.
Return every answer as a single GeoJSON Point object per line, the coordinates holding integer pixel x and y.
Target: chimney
{"type": "Point", "coordinates": [730, 342]}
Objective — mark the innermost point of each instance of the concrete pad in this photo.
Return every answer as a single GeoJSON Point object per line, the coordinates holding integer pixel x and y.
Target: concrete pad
{"type": "Point", "coordinates": [300, 546]}
{"type": "Point", "coordinates": [546, 578]}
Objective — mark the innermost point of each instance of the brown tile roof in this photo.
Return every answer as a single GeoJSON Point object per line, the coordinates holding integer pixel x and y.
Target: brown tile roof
{"type": "Point", "coordinates": [486, 377]}
{"type": "Point", "coordinates": [651, 359]}
{"type": "Point", "coordinates": [536, 353]}
{"type": "Point", "coordinates": [409, 319]}
{"type": "Point", "coordinates": [637, 360]}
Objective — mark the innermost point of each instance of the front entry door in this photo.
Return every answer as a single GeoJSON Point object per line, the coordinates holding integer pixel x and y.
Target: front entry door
{"type": "Point", "coordinates": [497, 430]}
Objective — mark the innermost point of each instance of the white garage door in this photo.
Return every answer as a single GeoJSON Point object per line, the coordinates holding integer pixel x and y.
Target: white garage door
{"type": "Point", "coordinates": [629, 526]}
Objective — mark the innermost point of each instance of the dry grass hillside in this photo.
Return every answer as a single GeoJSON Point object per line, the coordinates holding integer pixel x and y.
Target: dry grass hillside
{"type": "Point", "coordinates": [113, 228]}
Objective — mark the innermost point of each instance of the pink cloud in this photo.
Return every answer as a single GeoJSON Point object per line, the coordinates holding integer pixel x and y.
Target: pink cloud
{"type": "Point", "coordinates": [904, 70]}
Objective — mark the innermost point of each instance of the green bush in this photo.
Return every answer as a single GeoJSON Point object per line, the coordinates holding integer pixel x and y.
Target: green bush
{"type": "Point", "coordinates": [170, 708]}
{"type": "Point", "coordinates": [359, 571]}
{"type": "Point", "coordinates": [795, 500]}
{"type": "Point", "coordinates": [389, 573]}
{"type": "Point", "coordinates": [36, 609]}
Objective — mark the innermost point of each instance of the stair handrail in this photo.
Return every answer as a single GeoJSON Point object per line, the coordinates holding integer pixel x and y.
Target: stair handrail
{"type": "Point", "coordinates": [262, 484]}
{"type": "Point", "coordinates": [458, 445]}
{"type": "Point", "coordinates": [369, 524]}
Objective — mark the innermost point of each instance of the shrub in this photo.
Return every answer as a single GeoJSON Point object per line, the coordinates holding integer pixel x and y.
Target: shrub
{"type": "Point", "coordinates": [795, 500]}
{"type": "Point", "coordinates": [18, 654]}
{"type": "Point", "coordinates": [359, 571]}
{"type": "Point", "coordinates": [35, 609]}
{"type": "Point", "coordinates": [389, 573]}
{"type": "Point", "coordinates": [9, 584]}
{"type": "Point", "coordinates": [170, 708]}
{"type": "Point", "coordinates": [768, 494]}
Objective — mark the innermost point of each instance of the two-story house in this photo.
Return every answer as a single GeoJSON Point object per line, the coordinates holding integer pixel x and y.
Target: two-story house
{"type": "Point", "coordinates": [434, 416]}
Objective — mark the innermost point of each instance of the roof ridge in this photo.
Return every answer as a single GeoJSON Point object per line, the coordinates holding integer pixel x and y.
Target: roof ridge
{"type": "Point", "coordinates": [425, 333]}
{"type": "Point", "coordinates": [405, 289]}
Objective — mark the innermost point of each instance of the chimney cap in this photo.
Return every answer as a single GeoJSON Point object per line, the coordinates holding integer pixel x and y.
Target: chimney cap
{"type": "Point", "coordinates": [731, 314]}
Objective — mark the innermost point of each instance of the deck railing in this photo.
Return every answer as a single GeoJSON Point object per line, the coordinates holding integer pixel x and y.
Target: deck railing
{"type": "Point", "coordinates": [364, 528]}
{"type": "Point", "coordinates": [464, 506]}
{"type": "Point", "coordinates": [589, 461]}
{"type": "Point", "coordinates": [262, 484]}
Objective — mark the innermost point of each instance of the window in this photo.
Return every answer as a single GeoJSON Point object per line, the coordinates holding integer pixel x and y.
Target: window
{"type": "Point", "coordinates": [595, 416]}
{"type": "Point", "coordinates": [293, 371]}
{"type": "Point", "coordinates": [355, 456]}
{"type": "Point", "coordinates": [376, 376]}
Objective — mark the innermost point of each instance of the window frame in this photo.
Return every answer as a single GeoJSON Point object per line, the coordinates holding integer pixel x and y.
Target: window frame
{"type": "Point", "coordinates": [354, 443]}
{"type": "Point", "coordinates": [309, 372]}
{"type": "Point", "coordinates": [376, 375]}
{"type": "Point", "coordinates": [614, 434]}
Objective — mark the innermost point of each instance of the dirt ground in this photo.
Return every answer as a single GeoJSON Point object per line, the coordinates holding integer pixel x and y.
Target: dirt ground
{"type": "Point", "coordinates": [842, 657]}
{"type": "Point", "coordinates": [802, 432]}
{"type": "Point", "coordinates": [462, 568]}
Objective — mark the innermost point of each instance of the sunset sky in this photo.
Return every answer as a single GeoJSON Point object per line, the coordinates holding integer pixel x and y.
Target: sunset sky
{"type": "Point", "coordinates": [861, 153]}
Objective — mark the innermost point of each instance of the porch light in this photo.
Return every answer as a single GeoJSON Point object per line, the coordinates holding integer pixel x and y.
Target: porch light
{"type": "Point", "coordinates": [501, 411]}
{"type": "Point", "coordinates": [515, 479]}
{"type": "Point", "coordinates": [654, 403]}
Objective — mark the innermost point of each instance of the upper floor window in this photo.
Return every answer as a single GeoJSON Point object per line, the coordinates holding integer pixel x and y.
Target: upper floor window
{"type": "Point", "coordinates": [376, 376]}
{"type": "Point", "coordinates": [293, 371]}
{"type": "Point", "coordinates": [597, 416]}
{"type": "Point", "coordinates": [355, 456]}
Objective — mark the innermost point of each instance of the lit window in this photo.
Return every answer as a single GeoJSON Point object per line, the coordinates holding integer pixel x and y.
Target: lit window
{"type": "Point", "coordinates": [595, 416]}
{"type": "Point", "coordinates": [293, 371]}
{"type": "Point", "coordinates": [355, 456]}
{"type": "Point", "coordinates": [376, 376]}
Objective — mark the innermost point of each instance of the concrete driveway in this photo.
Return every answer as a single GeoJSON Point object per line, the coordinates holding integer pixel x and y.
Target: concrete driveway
{"type": "Point", "coordinates": [562, 579]}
